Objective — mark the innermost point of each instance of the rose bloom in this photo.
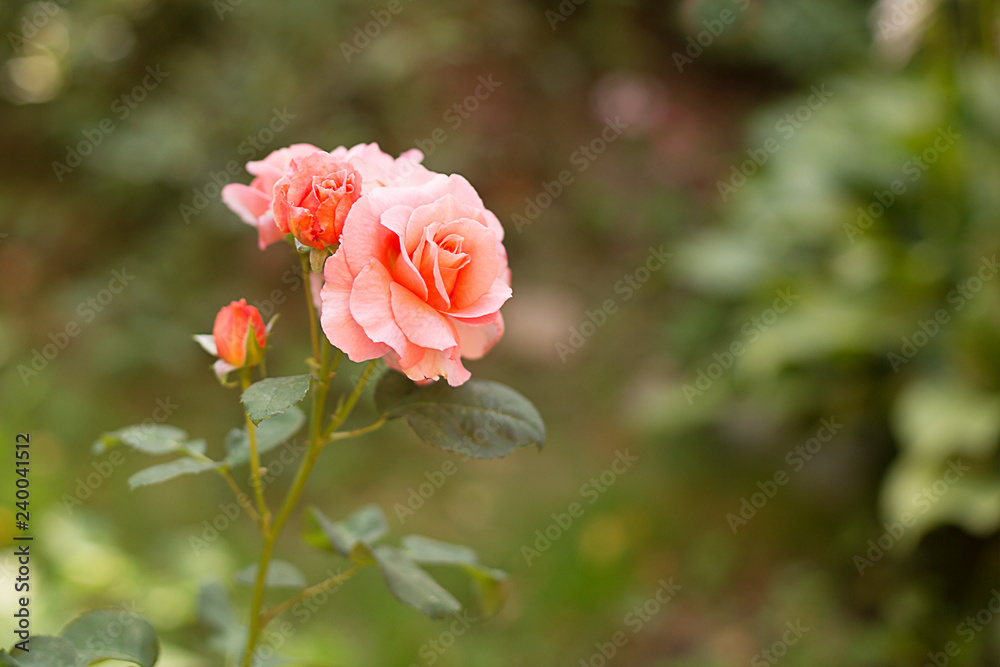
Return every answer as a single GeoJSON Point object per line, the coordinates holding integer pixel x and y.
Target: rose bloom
{"type": "Point", "coordinates": [419, 278]}
{"type": "Point", "coordinates": [313, 198]}
{"type": "Point", "coordinates": [253, 202]}
{"type": "Point", "coordinates": [232, 329]}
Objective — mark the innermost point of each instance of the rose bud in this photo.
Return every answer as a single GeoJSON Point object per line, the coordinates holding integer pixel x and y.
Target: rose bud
{"type": "Point", "coordinates": [234, 343]}
{"type": "Point", "coordinates": [312, 199]}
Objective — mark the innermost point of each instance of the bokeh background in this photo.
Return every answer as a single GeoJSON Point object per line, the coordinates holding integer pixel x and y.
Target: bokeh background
{"type": "Point", "coordinates": [753, 136]}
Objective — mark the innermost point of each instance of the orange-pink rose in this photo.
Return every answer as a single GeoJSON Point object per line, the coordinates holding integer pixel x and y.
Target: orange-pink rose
{"type": "Point", "coordinates": [312, 200]}
{"type": "Point", "coordinates": [240, 335]}
{"type": "Point", "coordinates": [419, 278]}
{"type": "Point", "coordinates": [253, 202]}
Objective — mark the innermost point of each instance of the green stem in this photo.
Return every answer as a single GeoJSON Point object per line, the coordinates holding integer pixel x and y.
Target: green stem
{"type": "Point", "coordinates": [345, 410]}
{"type": "Point", "coordinates": [323, 586]}
{"type": "Point", "coordinates": [241, 497]}
{"type": "Point", "coordinates": [340, 435]}
{"type": "Point", "coordinates": [318, 438]}
{"type": "Point", "coordinates": [258, 489]}
{"type": "Point", "coordinates": [245, 502]}
{"type": "Point", "coordinates": [313, 332]}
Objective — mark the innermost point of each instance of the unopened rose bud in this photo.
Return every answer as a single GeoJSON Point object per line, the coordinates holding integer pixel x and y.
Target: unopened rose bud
{"type": "Point", "coordinates": [233, 341]}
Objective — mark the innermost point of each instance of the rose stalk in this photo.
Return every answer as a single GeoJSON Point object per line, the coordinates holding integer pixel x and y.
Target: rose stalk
{"type": "Point", "coordinates": [410, 269]}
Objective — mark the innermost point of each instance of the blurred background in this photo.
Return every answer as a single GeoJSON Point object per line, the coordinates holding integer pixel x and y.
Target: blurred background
{"type": "Point", "coordinates": [768, 276]}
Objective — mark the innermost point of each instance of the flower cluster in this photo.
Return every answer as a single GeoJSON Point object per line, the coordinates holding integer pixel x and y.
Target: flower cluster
{"type": "Point", "coordinates": [415, 269]}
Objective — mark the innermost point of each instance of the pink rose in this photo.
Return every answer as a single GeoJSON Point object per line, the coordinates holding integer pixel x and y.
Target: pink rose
{"type": "Point", "coordinates": [253, 202]}
{"type": "Point", "coordinates": [313, 198]}
{"type": "Point", "coordinates": [419, 278]}
{"type": "Point", "coordinates": [379, 169]}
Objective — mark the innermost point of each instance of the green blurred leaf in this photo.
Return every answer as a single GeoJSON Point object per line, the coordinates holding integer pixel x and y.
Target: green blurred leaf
{"type": "Point", "coordinates": [148, 438]}
{"type": "Point", "coordinates": [44, 652]}
{"type": "Point", "coordinates": [412, 585]}
{"type": "Point", "coordinates": [361, 529]}
{"type": "Point", "coordinates": [167, 471]}
{"type": "Point", "coordinates": [274, 396]}
{"type": "Point", "coordinates": [480, 418]}
{"type": "Point", "coordinates": [216, 611]}
{"type": "Point", "coordinates": [113, 634]}
{"type": "Point", "coordinates": [280, 574]}
{"type": "Point", "coordinates": [488, 583]}
{"type": "Point", "coordinates": [433, 552]}
{"type": "Point", "coordinates": [270, 434]}
{"type": "Point", "coordinates": [938, 419]}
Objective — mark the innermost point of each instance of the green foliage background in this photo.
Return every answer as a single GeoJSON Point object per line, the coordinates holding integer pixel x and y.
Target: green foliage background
{"type": "Point", "coordinates": [793, 226]}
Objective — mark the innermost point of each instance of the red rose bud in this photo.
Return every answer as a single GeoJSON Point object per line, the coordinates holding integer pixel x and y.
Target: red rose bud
{"type": "Point", "coordinates": [313, 197]}
{"type": "Point", "coordinates": [233, 341]}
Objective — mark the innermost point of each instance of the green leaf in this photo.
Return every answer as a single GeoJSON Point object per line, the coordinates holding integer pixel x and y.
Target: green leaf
{"type": "Point", "coordinates": [480, 418]}
{"type": "Point", "coordinates": [489, 584]}
{"type": "Point", "coordinates": [351, 536]}
{"type": "Point", "coordinates": [270, 434]}
{"type": "Point", "coordinates": [491, 588]}
{"type": "Point", "coordinates": [167, 471]}
{"type": "Point", "coordinates": [280, 574]}
{"type": "Point", "coordinates": [432, 552]}
{"type": "Point", "coordinates": [113, 634]}
{"type": "Point", "coordinates": [217, 613]}
{"type": "Point", "coordinates": [412, 585]}
{"type": "Point", "coordinates": [44, 652]}
{"type": "Point", "coordinates": [274, 396]}
{"type": "Point", "coordinates": [148, 438]}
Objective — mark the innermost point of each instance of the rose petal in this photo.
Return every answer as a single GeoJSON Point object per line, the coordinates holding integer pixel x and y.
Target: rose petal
{"type": "Point", "coordinates": [246, 202]}
{"type": "Point", "coordinates": [486, 304]}
{"type": "Point", "coordinates": [339, 325]}
{"type": "Point", "coordinates": [421, 324]}
{"type": "Point", "coordinates": [371, 307]}
{"type": "Point", "coordinates": [476, 340]}
{"type": "Point", "coordinates": [476, 278]}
